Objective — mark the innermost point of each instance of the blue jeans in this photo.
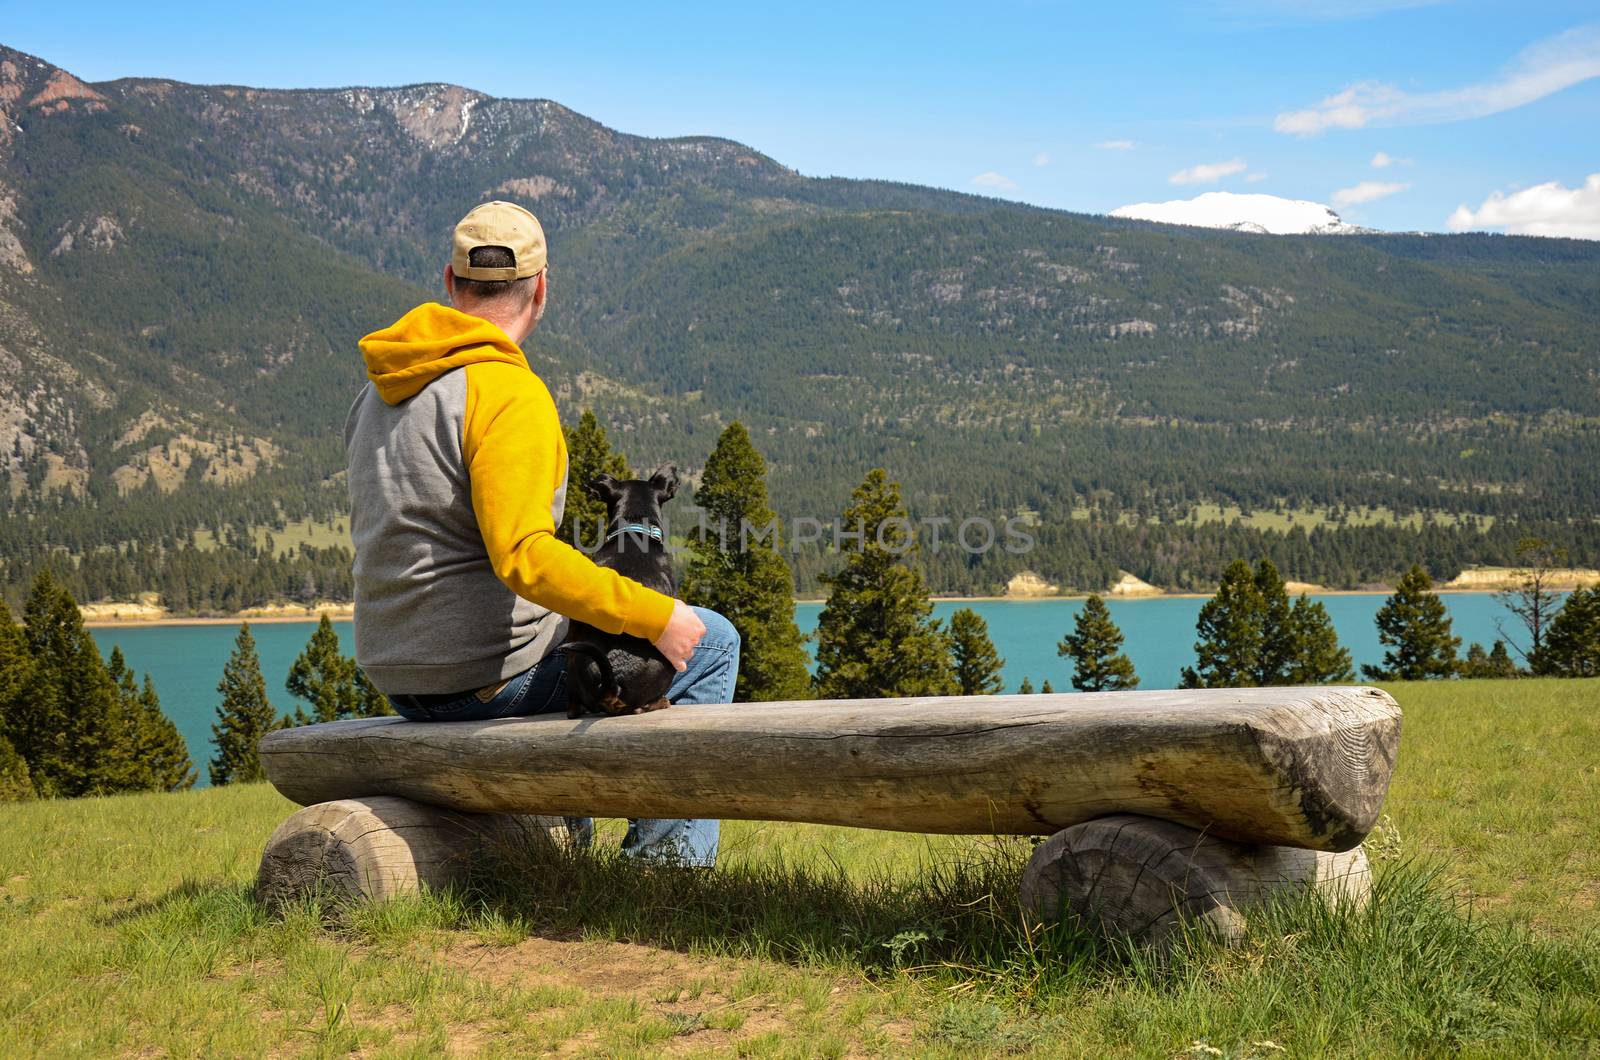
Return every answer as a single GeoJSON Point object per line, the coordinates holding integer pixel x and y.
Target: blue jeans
{"type": "Point", "coordinates": [543, 688]}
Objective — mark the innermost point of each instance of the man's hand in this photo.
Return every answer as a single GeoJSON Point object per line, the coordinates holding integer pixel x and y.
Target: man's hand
{"type": "Point", "coordinates": [684, 630]}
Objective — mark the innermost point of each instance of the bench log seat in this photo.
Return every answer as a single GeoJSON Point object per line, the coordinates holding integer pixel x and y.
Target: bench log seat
{"type": "Point", "coordinates": [1200, 782]}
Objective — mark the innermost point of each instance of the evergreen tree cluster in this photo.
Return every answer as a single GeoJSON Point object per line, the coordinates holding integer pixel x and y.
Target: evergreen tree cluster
{"type": "Point", "coordinates": [331, 682]}
{"type": "Point", "coordinates": [322, 675]}
{"type": "Point", "coordinates": [1098, 665]}
{"type": "Point", "coordinates": [876, 637]}
{"type": "Point", "coordinates": [1415, 629]}
{"type": "Point", "coordinates": [244, 716]}
{"type": "Point", "coordinates": [737, 569]}
{"type": "Point", "coordinates": [1572, 648]}
{"type": "Point", "coordinates": [1252, 635]}
{"type": "Point", "coordinates": [72, 724]}
{"type": "Point", "coordinates": [589, 453]}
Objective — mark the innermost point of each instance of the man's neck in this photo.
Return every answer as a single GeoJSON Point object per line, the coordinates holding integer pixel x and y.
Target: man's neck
{"type": "Point", "coordinates": [506, 322]}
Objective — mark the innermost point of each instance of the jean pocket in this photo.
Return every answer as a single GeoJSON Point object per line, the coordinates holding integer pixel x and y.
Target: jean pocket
{"type": "Point", "coordinates": [462, 709]}
{"type": "Point", "coordinates": [542, 690]}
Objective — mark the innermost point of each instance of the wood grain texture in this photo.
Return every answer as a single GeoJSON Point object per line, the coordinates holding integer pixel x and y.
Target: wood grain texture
{"type": "Point", "coordinates": [1143, 878]}
{"type": "Point", "coordinates": [377, 848]}
{"type": "Point", "coordinates": [1304, 767]}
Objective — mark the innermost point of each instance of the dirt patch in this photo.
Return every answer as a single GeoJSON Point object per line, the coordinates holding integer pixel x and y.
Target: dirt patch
{"type": "Point", "coordinates": [611, 969]}
{"type": "Point", "coordinates": [701, 997]}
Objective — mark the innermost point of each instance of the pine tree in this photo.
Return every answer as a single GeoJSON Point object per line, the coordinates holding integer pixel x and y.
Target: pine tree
{"type": "Point", "coordinates": [875, 636]}
{"type": "Point", "coordinates": [736, 568]}
{"type": "Point", "coordinates": [1229, 649]}
{"type": "Point", "coordinates": [1097, 665]}
{"type": "Point", "coordinates": [74, 737]}
{"type": "Point", "coordinates": [244, 715]}
{"type": "Point", "coordinates": [16, 679]}
{"type": "Point", "coordinates": [162, 749]}
{"type": "Point", "coordinates": [36, 718]}
{"type": "Point", "coordinates": [1026, 688]}
{"type": "Point", "coordinates": [1279, 648]}
{"type": "Point", "coordinates": [1045, 689]}
{"type": "Point", "coordinates": [1492, 664]}
{"type": "Point", "coordinates": [135, 777]}
{"type": "Point", "coordinates": [324, 677]}
{"type": "Point", "coordinates": [1571, 647]}
{"type": "Point", "coordinates": [977, 665]}
{"type": "Point", "coordinates": [370, 703]}
{"type": "Point", "coordinates": [589, 453]}
{"type": "Point", "coordinates": [1318, 657]}
{"type": "Point", "coordinates": [1415, 627]}
{"type": "Point", "coordinates": [16, 785]}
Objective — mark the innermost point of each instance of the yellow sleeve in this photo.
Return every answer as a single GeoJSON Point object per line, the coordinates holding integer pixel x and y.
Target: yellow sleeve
{"type": "Point", "coordinates": [516, 458]}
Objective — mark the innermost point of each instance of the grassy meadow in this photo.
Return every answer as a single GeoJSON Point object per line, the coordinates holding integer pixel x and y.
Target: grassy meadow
{"type": "Point", "coordinates": [127, 927]}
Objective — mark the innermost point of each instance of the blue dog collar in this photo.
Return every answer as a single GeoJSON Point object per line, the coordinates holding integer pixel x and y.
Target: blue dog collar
{"type": "Point", "coordinates": [636, 528]}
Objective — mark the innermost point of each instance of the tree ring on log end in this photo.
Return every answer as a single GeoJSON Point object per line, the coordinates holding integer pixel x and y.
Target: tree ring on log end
{"type": "Point", "coordinates": [1148, 879]}
{"type": "Point", "coordinates": [377, 848]}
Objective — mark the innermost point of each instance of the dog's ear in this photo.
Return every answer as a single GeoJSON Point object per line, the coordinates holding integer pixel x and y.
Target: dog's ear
{"type": "Point", "coordinates": [603, 488]}
{"type": "Point", "coordinates": [665, 482]}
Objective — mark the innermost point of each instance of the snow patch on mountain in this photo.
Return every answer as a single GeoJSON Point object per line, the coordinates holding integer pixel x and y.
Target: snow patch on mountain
{"type": "Point", "coordinates": [1243, 213]}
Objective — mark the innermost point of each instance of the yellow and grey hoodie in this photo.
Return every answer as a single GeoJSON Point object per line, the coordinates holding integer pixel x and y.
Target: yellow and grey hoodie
{"type": "Point", "coordinates": [457, 475]}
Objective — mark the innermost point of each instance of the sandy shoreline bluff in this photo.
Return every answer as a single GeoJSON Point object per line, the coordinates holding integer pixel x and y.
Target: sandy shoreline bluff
{"type": "Point", "coordinates": [1026, 584]}
{"type": "Point", "coordinates": [1484, 579]}
{"type": "Point", "coordinates": [1129, 585]}
{"type": "Point", "coordinates": [118, 611]}
{"type": "Point", "coordinates": [147, 613]}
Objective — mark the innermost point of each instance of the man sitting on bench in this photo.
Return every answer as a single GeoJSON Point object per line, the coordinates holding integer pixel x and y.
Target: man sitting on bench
{"type": "Point", "coordinates": [457, 477]}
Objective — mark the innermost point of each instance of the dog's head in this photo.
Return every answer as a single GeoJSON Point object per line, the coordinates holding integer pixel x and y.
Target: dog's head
{"type": "Point", "coordinates": [635, 500]}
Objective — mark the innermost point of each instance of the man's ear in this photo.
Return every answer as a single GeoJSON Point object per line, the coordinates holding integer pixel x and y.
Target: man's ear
{"type": "Point", "coordinates": [665, 482]}
{"type": "Point", "coordinates": [450, 283]}
{"type": "Point", "coordinates": [603, 488]}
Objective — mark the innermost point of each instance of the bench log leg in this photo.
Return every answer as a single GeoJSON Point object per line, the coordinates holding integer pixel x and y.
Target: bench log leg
{"type": "Point", "coordinates": [378, 847]}
{"type": "Point", "coordinates": [1140, 878]}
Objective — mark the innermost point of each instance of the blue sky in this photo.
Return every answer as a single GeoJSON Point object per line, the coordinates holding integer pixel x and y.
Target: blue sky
{"type": "Point", "coordinates": [1083, 106]}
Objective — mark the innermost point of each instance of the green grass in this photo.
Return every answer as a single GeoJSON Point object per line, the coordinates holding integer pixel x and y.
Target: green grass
{"type": "Point", "coordinates": [1309, 519]}
{"type": "Point", "coordinates": [126, 927]}
{"type": "Point", "coordinates": [1285, 519]}
{"type": "Point", "coordinates": [290, 538]}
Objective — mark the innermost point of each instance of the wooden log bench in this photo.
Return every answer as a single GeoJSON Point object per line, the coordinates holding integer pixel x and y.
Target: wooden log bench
{"type": "Point", "coordinates": [1158, 806]}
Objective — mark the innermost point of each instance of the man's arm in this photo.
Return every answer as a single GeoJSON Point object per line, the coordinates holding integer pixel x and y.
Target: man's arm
{"type": "Point", "coordinates": [516, 458]}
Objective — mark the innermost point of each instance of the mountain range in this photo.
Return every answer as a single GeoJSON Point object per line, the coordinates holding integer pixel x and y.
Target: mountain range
{"type": "Point", "coordinates": [184, 271]}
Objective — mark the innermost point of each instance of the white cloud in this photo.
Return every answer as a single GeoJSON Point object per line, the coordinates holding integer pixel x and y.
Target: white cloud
{"type": "Point", "coordinates": [1543, 68]}
{"type": "Point", "coordinates": [1041, 160]}
{"type": "Point", "coordinates": [997, 181]}
{"type": "Point", "coordinates": [1381, 161]}
{"type": "Point", "coordinates": [1366, 191]}
{"type": "Point", "coordinates": [1544, 210]}
{"type": "Point", "coordinates": [1209, 173]}
{"type": "Point", "coordinates": [1114, 145]}
{"type": "Point", "coordinates": [1254, 178]}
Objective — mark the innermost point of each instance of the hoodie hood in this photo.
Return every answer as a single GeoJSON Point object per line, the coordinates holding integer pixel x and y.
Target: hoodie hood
{"type": "Point", "coordinates": [426, 343]}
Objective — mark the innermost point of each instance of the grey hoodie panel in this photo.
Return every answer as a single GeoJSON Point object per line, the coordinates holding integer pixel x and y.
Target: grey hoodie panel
{"type": "Point", "coordinates": [431, 616]}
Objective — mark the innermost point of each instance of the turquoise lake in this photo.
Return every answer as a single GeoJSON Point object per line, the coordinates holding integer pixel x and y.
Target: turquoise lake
{"type": "Point", "coordinates": [186, 661]}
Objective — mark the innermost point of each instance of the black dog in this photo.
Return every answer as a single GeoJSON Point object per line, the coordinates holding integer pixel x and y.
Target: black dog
{"type": "Point", "coordinates": [613, 673]}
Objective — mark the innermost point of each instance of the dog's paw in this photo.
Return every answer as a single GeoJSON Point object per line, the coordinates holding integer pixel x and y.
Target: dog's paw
{"type": "Point", "coordinates": [660, 704]}
{"type": "Point", "coordinates": [613, 705]}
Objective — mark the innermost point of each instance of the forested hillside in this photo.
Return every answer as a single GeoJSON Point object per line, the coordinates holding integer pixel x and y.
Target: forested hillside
{"type": "Point", "coordinates": [184, 271]}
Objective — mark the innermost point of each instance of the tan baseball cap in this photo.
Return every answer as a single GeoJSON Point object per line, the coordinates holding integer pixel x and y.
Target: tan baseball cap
{"type": "Point", "coordinates": [499, 224]}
